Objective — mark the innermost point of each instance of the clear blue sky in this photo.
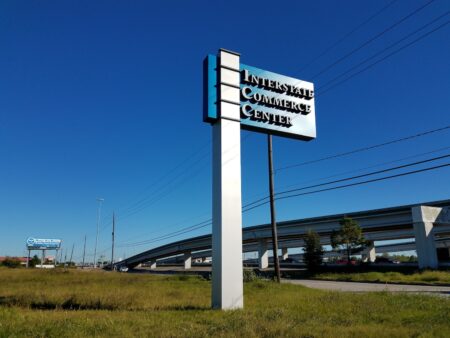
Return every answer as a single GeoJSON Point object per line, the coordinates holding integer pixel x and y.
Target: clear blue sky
{"type": "Point", "coordinates": [104, 99]}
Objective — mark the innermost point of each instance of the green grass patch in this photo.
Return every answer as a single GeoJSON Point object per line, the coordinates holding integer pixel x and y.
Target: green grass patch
{"type": "Point", "coordinates": [417, 277]}
{"type": "Point", "coordinates": [37, 303]}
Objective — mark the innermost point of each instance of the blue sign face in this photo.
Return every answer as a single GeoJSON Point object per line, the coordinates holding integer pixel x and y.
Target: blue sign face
{"type": "Point", "coordinates": [38, 243]}
{"type": "Point", "coordinates": [269, 102]}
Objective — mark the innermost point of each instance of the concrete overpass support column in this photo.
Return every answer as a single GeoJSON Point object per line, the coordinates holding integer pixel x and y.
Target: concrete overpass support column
{"type": "Point", "coordinates": [187, 260]}
{"type": "Point", "coordinates": [423, 218]}
{"type": "Point", "coordinates": [284, 254]}
{"type": "Point", "coordinates": [369, 254]}
{"type": "Point", "coordinates": [263, 255]}
{"type": "Point", "coordinates": [152, 265]}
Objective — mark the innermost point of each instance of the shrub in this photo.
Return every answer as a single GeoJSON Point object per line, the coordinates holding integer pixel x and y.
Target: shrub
{"type": "Point", "coordinates": [11, 263]}
{"type": "Point", "coordinates": [249, 275]}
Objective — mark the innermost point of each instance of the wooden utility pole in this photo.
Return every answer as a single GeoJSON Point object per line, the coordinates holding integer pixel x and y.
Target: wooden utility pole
{"type": "Point", "coordinates": [84, 252]}
{"type": "Point", "coordinates": [272, 211]}
{"type": "Point", "coordinates": [112, 248]}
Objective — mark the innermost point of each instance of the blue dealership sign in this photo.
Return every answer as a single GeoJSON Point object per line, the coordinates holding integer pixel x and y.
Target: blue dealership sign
{"type": "Point", "coordinates": [42, 244]}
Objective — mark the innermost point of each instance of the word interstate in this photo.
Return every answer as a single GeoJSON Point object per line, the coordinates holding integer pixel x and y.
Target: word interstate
{"type": "Point", "coordinates": [255, 96]}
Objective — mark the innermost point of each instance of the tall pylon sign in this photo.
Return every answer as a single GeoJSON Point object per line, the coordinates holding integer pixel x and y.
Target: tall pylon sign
{"type": "Point", "coordinates": [239, 96]}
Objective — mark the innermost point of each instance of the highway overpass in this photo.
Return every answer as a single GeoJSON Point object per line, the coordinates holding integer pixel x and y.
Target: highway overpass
{"type": "Point", "coordinates": [427, 223]}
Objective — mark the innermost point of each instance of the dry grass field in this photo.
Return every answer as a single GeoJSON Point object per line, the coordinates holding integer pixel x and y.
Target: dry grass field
{"type": "Point", "coordinates": [36, 303]}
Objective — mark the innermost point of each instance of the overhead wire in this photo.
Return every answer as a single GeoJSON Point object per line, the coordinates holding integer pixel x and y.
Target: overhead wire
{"type": "Point", "coordinates": [359, 150]}
{"type": "Point", "coordinates": [353, 177]}
{"type": "Point", "coordinates": [384, 50]}
{"type": "Point", "coordinates": [386, 57]}
{"type": "Point", "coordinates": [252, 205]}
{"type": "Point", "coordinates": [375, 37]}
{"type": "Point", "coordinates": [352, 184]}
{"type": "Point", "coordinates": [348, 34]}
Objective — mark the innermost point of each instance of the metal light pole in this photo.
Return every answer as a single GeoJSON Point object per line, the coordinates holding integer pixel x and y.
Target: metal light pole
{"type": "Point", "coordinates": [99, 210]}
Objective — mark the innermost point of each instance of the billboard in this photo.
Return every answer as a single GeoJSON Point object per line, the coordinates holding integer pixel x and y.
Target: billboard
{"type": "Point", "coordinates": [269, 102]}
{"type": "Point", "coordinates": [43, 244]}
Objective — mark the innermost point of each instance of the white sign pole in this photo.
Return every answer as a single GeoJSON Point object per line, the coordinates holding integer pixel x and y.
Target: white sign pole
{"type": "Point", "coordinates": [227, 270]}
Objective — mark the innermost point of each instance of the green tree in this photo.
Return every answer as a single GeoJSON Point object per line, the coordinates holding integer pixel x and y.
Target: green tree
{"type": "Point", "coordinates": [34, 261]}
{"type": "Point", "coordinates": [349, 237]}
{"type": "Point", "coordinates": [313, 251]}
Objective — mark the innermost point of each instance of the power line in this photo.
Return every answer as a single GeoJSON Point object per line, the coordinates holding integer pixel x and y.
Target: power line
{"type": "Point", "coordinates": [353, 177]}
{"type": "Point", "coordinates": [174, 232]}
{"type": "Point", "coordinates": [353, 184]}
{"type": "Point", "coordinates": [339, 41]}
{"type": "Point", "coordinates": [130, 239]}
{"type": "Point", "coordinates": [386, 57]}
{"type": "Point", "coordinates": [371, 166]}
{"type": "Point", "coordinates": [163, 177]}
{"type": "Point", "coordinates": [351, 152]}
{"type": "Point", "coordinates": [320, 179]}
{"type": "Point", "coordinates": [149, 201]}
{"type": "Point", "coordinates": [246, 207]}
{"type": "Point", "coordinates": [163, 192]}
{"type": "Point", "coordinates": [367, 42]}
{"type": "Point", "coordinates": [383, 50]}
{"type": "Point", "coordinates": [170, 235]}
{"type": "Point", "coordinates": [159, 181]}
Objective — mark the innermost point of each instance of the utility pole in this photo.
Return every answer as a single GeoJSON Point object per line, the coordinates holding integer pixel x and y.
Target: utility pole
{"type": "Point", "coordinates": [84, 251]}
{"type": "Point", "coordinates": [112, 250]}
{"type": "Point", "coordinates": [61, 255]}
{"type": "Point", "coordinates": [272, 211]}
{"type": "Point", "coordinates": [99, 210]}
{"type": "Point", "coordinates": [71, 254]}
{"type": "Point", "coordinates": [65, 259]}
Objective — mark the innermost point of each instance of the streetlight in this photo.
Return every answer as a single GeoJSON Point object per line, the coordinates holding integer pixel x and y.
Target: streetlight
{"type": "Point", "coordinates": [99, 209]}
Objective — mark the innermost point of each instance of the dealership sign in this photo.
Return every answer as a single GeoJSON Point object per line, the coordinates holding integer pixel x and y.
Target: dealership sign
{"type": "Point", "coordinates": [269, 102]}
{"type": "Point", "coordinates": [43, 244]}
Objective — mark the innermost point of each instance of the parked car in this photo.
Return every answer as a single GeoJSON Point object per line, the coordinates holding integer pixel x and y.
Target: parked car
{"type": "Point", "coordinates": [383, 260]}
{"type": "Point", "coordinates": [290, 260]}
{"type": "Point", "coordinates": [344, 262]}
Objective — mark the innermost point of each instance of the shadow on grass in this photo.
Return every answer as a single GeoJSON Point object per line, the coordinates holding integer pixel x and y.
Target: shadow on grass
{"type": "Point", "coordinates": [72, 305]}
{"type": "Point", "coordinates": [69, 304]}
{"type": "Point", "coordinates": [182, 308]}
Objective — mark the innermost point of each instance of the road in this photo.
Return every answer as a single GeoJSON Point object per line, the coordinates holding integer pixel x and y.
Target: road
{"type": "Point", "coordinates": [319, 284]}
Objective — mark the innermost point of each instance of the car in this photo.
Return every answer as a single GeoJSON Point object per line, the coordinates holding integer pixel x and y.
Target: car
{"type": "Point", "coordinates": [290, 260]}
{"type": "Point", "coordinates": [344, 262]}
{"type": "Point", "coordinates": [123, 269]}
{"type": "Point", "coordinates": [383, 260]}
